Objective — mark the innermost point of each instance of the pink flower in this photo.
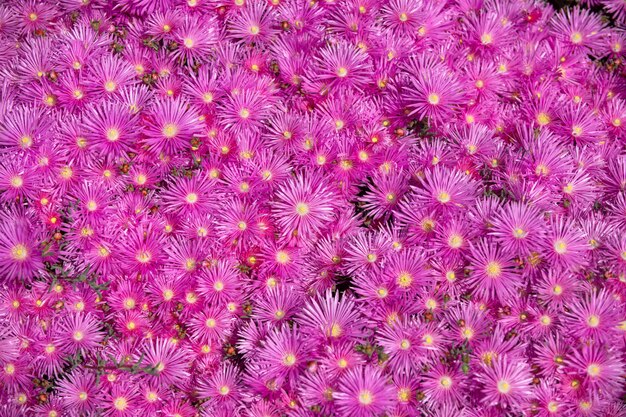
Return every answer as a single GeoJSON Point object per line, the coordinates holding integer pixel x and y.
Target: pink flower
{"type": "Point", "coordinates": [363, 393]}
{"type": "Point", "coordinates": [506, 383]}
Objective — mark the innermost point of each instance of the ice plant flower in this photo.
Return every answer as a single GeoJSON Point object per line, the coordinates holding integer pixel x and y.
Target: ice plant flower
{"type": "Point", "coordinates": [268, 208]}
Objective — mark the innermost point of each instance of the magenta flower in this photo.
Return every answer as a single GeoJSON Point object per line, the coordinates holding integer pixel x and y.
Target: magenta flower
{"type": "Point", "coordinates": [80, 333]}
{"type": "Point", "coordinates": [493, 276]}
{"type": "Point", "coordinates": [20, 256]}
{"type": "Point", "coordinates": [599, 369]}
{"type": "Point", "coordinates": [168, 363]}
{"type": "Point", "coordinates": [506, 384]}
{"type": "Point", "coordinates": [362, 392]}
{"type": "Point", "coordinates": [444, 386]}
{"type": "Point", "coordinates": [518, 228]}
{"type": "Point", "coordinates": [78, 392]}
{"type": "Point", "coordinates": [446, 190]}
{"type": "Point", "coordinates": [592, 316]}
{"type": "Point", "coordinates": [302, 207]}
{"type": "Point", "coordinates": [265, 208]}
{"type": "Point", "coordinates": [171, 127]}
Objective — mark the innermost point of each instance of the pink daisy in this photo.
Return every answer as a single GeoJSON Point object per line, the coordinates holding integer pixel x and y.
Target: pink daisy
{"type": "Point", "coordinates": [363, 392]}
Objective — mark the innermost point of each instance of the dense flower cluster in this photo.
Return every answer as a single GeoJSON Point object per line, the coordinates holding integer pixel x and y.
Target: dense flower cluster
{"type": "Point", "coordinates": [303, 208]}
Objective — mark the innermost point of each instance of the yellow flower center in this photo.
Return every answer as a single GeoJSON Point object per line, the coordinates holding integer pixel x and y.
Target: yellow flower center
{"type": "Point", "coordinates": [504, 387]}
{"type": "Point", "coordinates": [335, 330]}
{"type": "Point", "coordinates": [405, 344]}
{"type": "Point", "coordinates": [553, 406]}
{"type": "Point", "coordinates": [282, 257]}
{"type": "Point", "coordinates": [467, 332]}
{"type": "Point", "coordinates": [519, 233]}
{"type": "Point", "coordinates": [143, 257]}
{"type": "Point", "coordinates": [129, 303]}
{"type": "Point", "coordinates": [543, 119]}
{"type": "Point", "coordinates": [218, 285]}
{"type": "Point", "coordinates": [168, 294]}
{"type": "Point", "coordinates": [289, 359]}
{"type": "Point", "coordinates": [110, 86]}
{"type": "Point", "coordinates": [576, 37]}
{"type": "Point", "coordinates": [443, 197]}
{"type": "Point", "coordinates": [542, 170]}
{"type": "Point", "coordinates": [493, 269]}
{"type": "Point", "coordinates": [103, 252]}
{"type": "Point", "coordinates": [66, 172]}
{"type": "Point", "coordinates": [170, 130]}
{"type": "Point", "coordinates": [445, 381]}
{"type": "Point", "coordinates": [455, 241]}
{"type": "Point", "coordinates": [26, 141]}
{"type": "Point", "coordinates": [120, 403]}
{"type": "Point", "coordinates": [19, 252]}
{"type": "Point", "coordinates": [404, 395]}
{"type": "Point", "coordinates": [9, 368]}
{"type": "Point", "coordinates": [404, 280]}
{"type": "Point", "coordinates": [302, 209]}
{"type": "Point", "coordinates": [560, 247]}
{"type": "Point", "coordinates": [191, 198]}
{"type": "Point", "coordinates": [207, 97]}
{"type": "Point", "coordinates": [568, 189]}
{"type": "Point", "coordinates": [593, 321]}
{"type": "Point", "coordinates": [366, 397]}
{"type": "Point", "coordinates": [191, 298]}
{"type": "Point", "coordinates": [113, 134]}
{"type": "Point", "coordinates": [433, 99]}
{"type": "Point", "coordinates": [593, 370]}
